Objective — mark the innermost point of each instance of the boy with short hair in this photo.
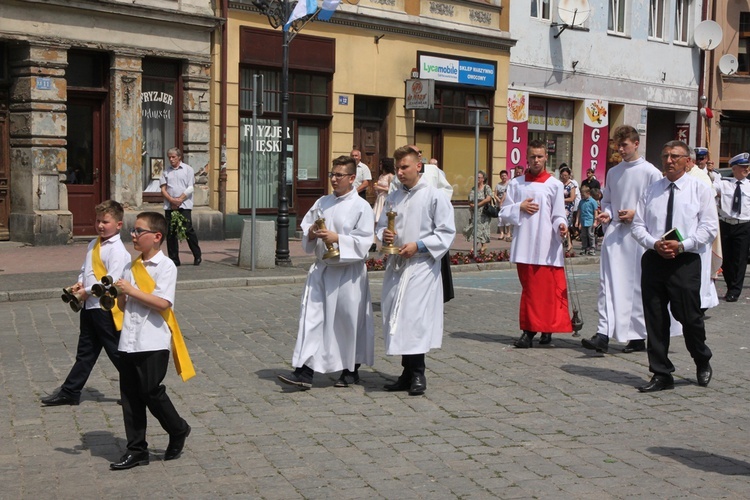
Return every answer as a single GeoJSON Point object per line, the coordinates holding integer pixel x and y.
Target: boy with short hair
{"type": "Point", "coordinates": [106, 255]}
{"type": "Point", "coordinates": [147, 292]}
{"type": "Point", "coordinates": [587, 213]}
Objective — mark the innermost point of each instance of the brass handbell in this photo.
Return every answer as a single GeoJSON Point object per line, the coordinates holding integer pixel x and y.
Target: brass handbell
{"type": "Point", "coordinates": [320, 223]}
{"type": "Point", "coordinates": [106, 291]}
{"type": "Point", "coordinates": [71, 299]}
{"type": "Point", "coordinates": [391, 248]}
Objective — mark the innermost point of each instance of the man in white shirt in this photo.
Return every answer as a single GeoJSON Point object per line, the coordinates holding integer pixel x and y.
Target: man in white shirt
{"type": "Point", "coordinates": [177, 185]}
{"type": "Point", "coordinates": [671, 266]}
{"type": "Point", "coordinates": [364, 176]}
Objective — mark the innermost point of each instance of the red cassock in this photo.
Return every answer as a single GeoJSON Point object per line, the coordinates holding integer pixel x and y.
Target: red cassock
{"type": "Point", "coordinates": [544, 300]}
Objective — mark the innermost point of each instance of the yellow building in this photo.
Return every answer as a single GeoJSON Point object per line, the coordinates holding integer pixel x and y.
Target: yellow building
{"type": "Point", "coordinates": [347, 88]}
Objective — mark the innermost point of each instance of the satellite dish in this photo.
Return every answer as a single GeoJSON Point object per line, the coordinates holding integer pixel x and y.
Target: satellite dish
{"type": "Point", "coordinates": [728, 64]}
{"type": "Point", "coordinates": [573, 12]}
{"type": "Point", "coordinates": [707, 35]}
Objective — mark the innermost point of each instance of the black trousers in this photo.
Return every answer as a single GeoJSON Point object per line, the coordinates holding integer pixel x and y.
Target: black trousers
{"type": "Point", "coordinates": [97, 332]}
{"type": "Point", "coordinates": [141, 377]}
{"type": "Point", "coordinates": [173, 244]}
{"type": "Point", "coordinates": [673, 283]}
{"type": "Point", "coordinates": [413, 364]}
{"type": "Point", "coordinates": [735, 241]}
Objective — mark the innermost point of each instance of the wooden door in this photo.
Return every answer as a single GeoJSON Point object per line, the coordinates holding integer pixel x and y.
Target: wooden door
{"type": "Point", "coordinates": [87, 153]}
{"type": "Point", "coordinates": [369, 138]}
{"type": "Point", "coordinates": [311, 165]}
{"type": "Point", "coordinates": [4, 178]}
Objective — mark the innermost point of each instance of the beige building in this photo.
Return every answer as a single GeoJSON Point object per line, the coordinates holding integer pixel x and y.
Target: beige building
{"type": "Point", "coordinates": [92, 94]}
{"type": "Point", "coordinates": [347, 84]}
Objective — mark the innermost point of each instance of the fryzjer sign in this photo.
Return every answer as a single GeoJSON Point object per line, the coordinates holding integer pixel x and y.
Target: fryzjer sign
{"type": "Point", "coordinates": [461, 71]}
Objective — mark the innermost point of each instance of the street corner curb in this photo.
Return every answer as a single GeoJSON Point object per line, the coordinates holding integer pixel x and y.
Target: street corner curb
{"type": "Point", "coordinates": [20, 295]}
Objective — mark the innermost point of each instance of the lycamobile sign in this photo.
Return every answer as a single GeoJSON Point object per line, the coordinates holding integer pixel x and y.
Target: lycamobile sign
{"type": "Point", "coordinates": [457, 71]}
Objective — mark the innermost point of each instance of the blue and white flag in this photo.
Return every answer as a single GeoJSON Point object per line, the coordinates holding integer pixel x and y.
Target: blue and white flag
{"type": "Point", "coordinates": [302, 9]}
{"type": "Point", "coordinates": [328, 8]}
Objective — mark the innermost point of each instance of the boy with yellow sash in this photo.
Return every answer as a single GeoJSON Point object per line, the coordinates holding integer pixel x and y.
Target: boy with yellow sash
{"type": "Point", "coordinates": [149, 330]}
{"type": "Point", "coordinates": [106, 255]}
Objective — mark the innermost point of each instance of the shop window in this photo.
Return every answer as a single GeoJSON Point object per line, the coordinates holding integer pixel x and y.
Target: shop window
{"type": "Point", "coordinates": [308, 93]}
{"type": "Point", "coordinates": [616, 17]}
{"type": "Point", "coordinates": [453, 107]}
{"type": "Point", "coordinates": [541, 9]}
{"type": "Point", "coordinates": [656, 20]}
{"type": "Point", "coordinates": [743, 58]}
{"type": "Point", "coordinates": [160, 118]}
{"type": "Point", "coordinates": [682, 22]}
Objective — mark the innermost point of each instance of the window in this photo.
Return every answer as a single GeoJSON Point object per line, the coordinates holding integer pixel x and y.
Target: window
{"type": "Point", "coordinates": [681, 22]}
{"type": "Point", "coordinates": [656, 20]}
{"type": "Point", "coordinates": [540, 9]}
{"type": "Point", "coordinates": [743, 58]}
{"type": "Point", "coordinates": [735, 136]}
{"type": "Point", "coordinates": [308, 93]}
{"type": "Point", "coordinates": [616, 22]}
{"type": "Point", "coordinates": [454, 107]}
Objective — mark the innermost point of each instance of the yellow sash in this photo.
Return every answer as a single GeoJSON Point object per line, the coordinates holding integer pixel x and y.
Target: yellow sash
{"type": "Point", "coordinates": [99, 272]}
{"type": "Point", "coordinates": [180, 354]}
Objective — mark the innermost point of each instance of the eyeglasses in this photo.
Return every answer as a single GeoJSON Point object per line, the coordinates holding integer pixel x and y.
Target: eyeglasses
{"type": "Point", "coordinates": [337, 175]}
{"type": "Point", "coordinates": [673, 157]}
{"type": "Point", "coordinates": [138, 231]}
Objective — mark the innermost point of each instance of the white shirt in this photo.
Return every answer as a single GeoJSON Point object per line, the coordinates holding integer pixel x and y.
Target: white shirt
{"type": "Point", "coordinates": [114, 257]}
{"type": "Point", "coordinates": [693, 214]}
{"type": "Point", "coordinates": [725, 189]}
{"type": "Point", "coordinates": [179, 180]}
{"type": "Point", "coordinates": [363, 174]}
{"type": "Point", "coordinates": [143, 328]}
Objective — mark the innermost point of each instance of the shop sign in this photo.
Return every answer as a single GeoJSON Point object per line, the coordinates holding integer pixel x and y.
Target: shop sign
{"type": "Point", "coordinates": [157, 105]}
{"type": "Point", "coordinates": [420, 94]}
{"type": "Point", "coordinates": [595, 137]}
{"type": "Point", "coordinates": [537, 113]}
{"type": "Point", "coordinates": [517, 129]}
{"type": "Point", "coordinates": [443, 69]}
{"type": "Point", "coordinates": [682, 132]}
{"type": "Point", "coordinates": [559, 116]}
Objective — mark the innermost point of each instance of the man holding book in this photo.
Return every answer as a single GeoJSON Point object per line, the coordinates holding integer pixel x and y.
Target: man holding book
{"type": "Point", "coordinates": [674, 221]}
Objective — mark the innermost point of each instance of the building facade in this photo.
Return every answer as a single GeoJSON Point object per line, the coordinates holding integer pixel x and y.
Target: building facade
{"type": "Point", "coordinates": [629, 62]}
{"type": "Point", "coordinates": [92, 94]}
{"type": "Point", "coordinates": [347, 84]}
{"type": "Point", "coordinates": [727, 86]}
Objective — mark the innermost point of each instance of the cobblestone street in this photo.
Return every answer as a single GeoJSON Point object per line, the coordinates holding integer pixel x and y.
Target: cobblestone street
{"type": "Point", "coordinates": [550, 422]}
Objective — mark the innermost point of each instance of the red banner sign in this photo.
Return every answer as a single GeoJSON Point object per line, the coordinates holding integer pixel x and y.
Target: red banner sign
{"type": "Point", "coordinates": [517, 129]}
{"type": "Point", "coordinates": [595, 138]}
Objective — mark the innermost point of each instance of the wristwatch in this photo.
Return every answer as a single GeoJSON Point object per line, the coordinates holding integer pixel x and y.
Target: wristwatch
{"type": "Point", "coordinates": [680, 248]}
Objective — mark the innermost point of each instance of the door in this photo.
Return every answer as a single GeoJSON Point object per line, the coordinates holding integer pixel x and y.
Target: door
{"type": "Point", "coordinates": [87, 152]}
{"type": "Point", "coordinates": [311, 153]}
{"type": "Point", "coordinates": [370, 135]}
{"type": "Point", "coordinates": [4, 178]}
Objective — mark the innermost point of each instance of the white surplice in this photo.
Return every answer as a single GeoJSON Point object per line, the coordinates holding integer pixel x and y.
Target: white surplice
{"type": "Point", "coordinates": [536, 239]}
{"type": "Point", "coordinates": [336, 322]}
{"type": "Point", "coordinates": [412, 300]}
{"type": "Point", "coordinates": [620, 305]}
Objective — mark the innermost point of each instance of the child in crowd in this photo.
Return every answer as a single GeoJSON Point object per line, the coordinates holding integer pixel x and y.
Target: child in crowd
{"type": "Point", "coordinates": [596, 194]}
{"type": "Point", "coordinates": [587, 213]}
{"type": "Point", "coordinates": [147, 292]}
{"type": "Point", "coordinates": [106, 255]}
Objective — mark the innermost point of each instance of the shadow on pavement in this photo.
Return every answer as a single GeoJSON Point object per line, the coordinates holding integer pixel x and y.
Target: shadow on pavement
{"type": "Point", "coordinates": [704, 460]}
{"type": "Point", "coordinates": [606, 374]}
{"type": "Point", "coordinates": [100, 444]}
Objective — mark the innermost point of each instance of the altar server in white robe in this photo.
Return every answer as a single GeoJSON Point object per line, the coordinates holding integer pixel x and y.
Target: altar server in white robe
{"type": "Point", "coordinates": [619, 305]}
{"type": "Point", "coordinates": [412, 301]}
{"type": "Point", "coordinates": [534, 205]}
{"type": "Point", "coordinates": [336, 326]}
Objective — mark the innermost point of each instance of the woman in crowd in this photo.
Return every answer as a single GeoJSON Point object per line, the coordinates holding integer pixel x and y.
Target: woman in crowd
{"type": "Point", "coordinates": [483, 227]}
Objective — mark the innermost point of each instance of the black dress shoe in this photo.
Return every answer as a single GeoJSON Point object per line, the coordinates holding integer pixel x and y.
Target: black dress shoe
{"type": "Point", "coordinates": [545, 339]}
{"type": "Point", "coordinates": [525, 341]}
{"type": "Point", "coordinates": [176, 444]}
{"type": "Point", "coordinates": [402, 384]}
{"type": "Point", "coordinates": [295, 378]}
{"type": "Point", "coordinates": [59, 399]}
{"type": "Point", "coordinates": [197, 261]}
{"type": "Point", "coordinates": [598, 343]}
{"type": "Point", "coordinates": [347, 378]}
{"type": "Point", "coordinates": [731, 298]}
{"type": "Point", "coordinates": [634, 346]}
{"type": "Point", "coordinates": [658, 383]}
{"type": "Point", "coordinates": [418, 385]}
{"type": "Point", "coordinates": [130, 460]}
{"type": "Point", "coordinates": [704, 374]}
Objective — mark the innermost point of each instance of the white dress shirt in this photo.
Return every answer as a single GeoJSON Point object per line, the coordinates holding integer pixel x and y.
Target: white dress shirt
{"type": "Point", "coordinates": [694, 214]}
{"type": "Point", "coordinates": [143, 328]}
{"type": "Point", "coordinates": [363, 174]}
{"type": "Point", "coordinates": [114, 257]}
{"type": "Point", "coordinates": [179, 180]}
{"type": "Point", "coordinates": [725, 189]}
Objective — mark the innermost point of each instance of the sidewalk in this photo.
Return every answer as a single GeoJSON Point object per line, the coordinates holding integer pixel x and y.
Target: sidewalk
{"type": "Point", "coordinates": [40, 272]}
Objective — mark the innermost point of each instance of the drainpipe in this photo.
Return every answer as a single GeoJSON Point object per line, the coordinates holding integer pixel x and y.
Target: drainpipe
{"type": "Point", "coordinates": [223, 112]}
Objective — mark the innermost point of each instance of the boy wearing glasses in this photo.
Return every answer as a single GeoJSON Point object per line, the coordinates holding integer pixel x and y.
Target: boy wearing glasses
{"type": "Point", "coordinates": [147, 292]}
{"type": "Point", "coordinates": [620, 307]}
{"type": "Point", "coordinates": [335, 327]}
{"type": "Point", "coordinates": [106, 255]}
